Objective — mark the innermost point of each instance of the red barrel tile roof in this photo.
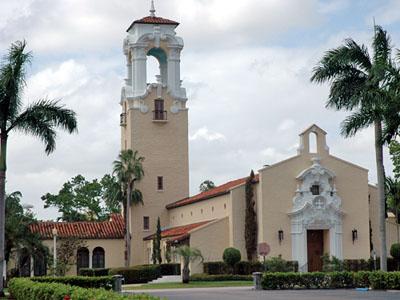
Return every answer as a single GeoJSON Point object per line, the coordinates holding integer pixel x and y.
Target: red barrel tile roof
{"type": "Point", "coordinates": [153, 20]}
{"type": "Point", "coordinates": [178, 232]}
{"type": "Point", "coordinates": [112, 229]}
{"type": "Point", "coordinates": [215, 192]}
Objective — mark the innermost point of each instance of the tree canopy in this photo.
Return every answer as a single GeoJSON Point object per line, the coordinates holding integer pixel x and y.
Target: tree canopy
{"type": "Point", "coordinates": [17, 233]}
{"type": "Point", "coordinates": [206, 185]}
{"type": "Point", "coordinates": [83, 200]}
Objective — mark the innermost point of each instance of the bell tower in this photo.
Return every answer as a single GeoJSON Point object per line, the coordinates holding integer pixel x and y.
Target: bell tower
{"type": "Point", "coordinates": [154, 121]}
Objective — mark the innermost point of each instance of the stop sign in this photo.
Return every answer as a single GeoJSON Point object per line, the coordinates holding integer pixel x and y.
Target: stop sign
{"type": "Point", "coordinates": [263, 249]}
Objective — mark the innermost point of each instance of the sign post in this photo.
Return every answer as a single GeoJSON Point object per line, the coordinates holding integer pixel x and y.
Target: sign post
{"type": "Point", "coordinates": [263, 250]}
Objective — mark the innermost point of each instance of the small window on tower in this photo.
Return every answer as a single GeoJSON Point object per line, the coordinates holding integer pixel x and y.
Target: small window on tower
{"type": "Point", "coordinates": [146, 223]}
{"type": "Point", "coordinates": [160, 183]}
{"type": "Point", "coordinates": [159, 112]}
{"type": "Point", "coordinates": [315, 189]}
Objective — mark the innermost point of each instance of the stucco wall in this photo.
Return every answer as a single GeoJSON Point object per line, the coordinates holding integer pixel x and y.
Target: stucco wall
{"type": "Point", "coordinates": [237, 218]}
{"type": "Point", "coordinates": [214, 208]}
{"type": "Point", "coordinates": [165, 148]}
{"type": "Point", "coordinates": [391, 225]}
{"type": "Point", "coordinates": [211, 240]}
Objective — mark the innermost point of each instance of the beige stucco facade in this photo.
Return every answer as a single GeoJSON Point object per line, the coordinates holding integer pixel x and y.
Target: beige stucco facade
{"type": "Point", "coordinates": [345, 203]}
{"type": "Point", "coordinates": [113, 252]}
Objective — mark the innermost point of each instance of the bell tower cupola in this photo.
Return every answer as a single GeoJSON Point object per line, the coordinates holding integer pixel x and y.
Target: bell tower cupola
{"type": "Point", "coordinates": [153, 36]}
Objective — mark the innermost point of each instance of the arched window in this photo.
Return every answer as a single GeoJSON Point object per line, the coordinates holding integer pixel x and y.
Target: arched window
{"type": "Point", "coordinates": [157, 65]}
{"type": "Point", "coordinates": [82, 259]}
{"type": "Point", "coordinates": [313, 142]}
{"type": "Point", "coordinates": [24, 263]}
{"type": "Point", "coordinates": [98, 260]}
{"type": "Point", "coordinates": [40, 264]}
{"type": "Point", "coordinates": [153, 69]}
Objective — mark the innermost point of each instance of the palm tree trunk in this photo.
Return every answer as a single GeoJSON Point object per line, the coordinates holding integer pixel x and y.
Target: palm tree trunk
{"type": "Point", "coordinates": [381, 193]}
{"type": "Point", "coordinates": [3, 168]}
{"type": "Point", "coordinates": [127, 231]}
{"type": "Point", "coordinates": [397, 224]}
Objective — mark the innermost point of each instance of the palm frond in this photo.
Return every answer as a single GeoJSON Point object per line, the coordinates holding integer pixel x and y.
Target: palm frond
{"type": "Point", "coordinates": [355, 122]}
{"type": "Point", "coordinates": [346, 91]}
{"type": "Point", "coordinates": [381, 45]}
{"type": "Point", "coordinates": [349, 57]}
{"type": "Point", "coordinates": [12, 81]}
{"type": "Point", "coordinates": [41, 120]}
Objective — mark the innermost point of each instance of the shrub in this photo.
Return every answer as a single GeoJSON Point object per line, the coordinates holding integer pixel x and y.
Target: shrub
{"type": "Point", "coordinates": [26, 289]}
{"type": "Point", "coordinates": [395, 251]}
{"type": "Point", "coordinates": [248, 268]}
{"type": "Point", "coordinates": [231, 256]}
{"type": "Point", "coordinates": [319, 280]}
{"type": "Point", "coordinates": [105, 282]}
{"type": "Point", "coordinates": [355, 265]}
{"type": "Point", "coordinates": [277, 264]}
{"type": "Point", "coordinates": [222, 277]}
{"type": "Point", "coordinates": [170, 269]}
{"type": "Point", "coordinates": [331, 264]}
{"type": "Point", "coordinates": [93, 272]}
{"type": "Point", "coordinates": [215, 268]}
{"type": "Point", "coordinates": [138, 274]}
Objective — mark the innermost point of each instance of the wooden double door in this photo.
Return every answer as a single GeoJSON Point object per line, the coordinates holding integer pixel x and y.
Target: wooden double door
{"type": "Point", "coordinates": [315, 249]}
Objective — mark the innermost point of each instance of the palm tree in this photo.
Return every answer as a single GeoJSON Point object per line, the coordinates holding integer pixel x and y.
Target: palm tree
{"type": "Point", "coordinates": [393, 199]}
{"type": "Point", "coordinates": [360, 85]}
{"type": "Point", "coordinates": [188, 255]}
{"type": "Point", "coordinates": [128, 168]}
{"type": "Point", "coordinates": [39, 119]}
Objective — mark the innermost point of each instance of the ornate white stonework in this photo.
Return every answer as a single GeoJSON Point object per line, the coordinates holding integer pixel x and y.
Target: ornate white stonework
{"type": "Point", "coordinates": [144, 40]}
{"type": "Point", "coordinates": [318, 211]}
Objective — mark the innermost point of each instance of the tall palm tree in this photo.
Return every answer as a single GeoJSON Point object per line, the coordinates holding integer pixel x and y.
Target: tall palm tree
{"type": "Point", "coordinates": [393, 199]}
{"type": "Point", "coordinates": [188, 255]}
{"type": "Point", "coordinates": [360, 84]}
{"type": "Point", "coordinates": [40, 119]}
{"type": "Point", "coordinates": [128, 168]}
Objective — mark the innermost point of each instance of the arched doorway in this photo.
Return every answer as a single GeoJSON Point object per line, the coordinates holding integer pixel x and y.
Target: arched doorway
{"type": "Point", "coordinates": [82, 259]}
{"type": "Point", "coordinates": [24, 263]}
{"type": "Point", "coordinates": [98, 260]}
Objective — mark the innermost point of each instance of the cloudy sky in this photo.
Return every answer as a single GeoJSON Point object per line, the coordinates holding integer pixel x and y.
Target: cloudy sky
{"type": "Point", "coordinates": [246, 66]}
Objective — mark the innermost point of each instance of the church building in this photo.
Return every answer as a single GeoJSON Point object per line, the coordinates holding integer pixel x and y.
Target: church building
{"type": "Point", "coordinates": [307, 205]}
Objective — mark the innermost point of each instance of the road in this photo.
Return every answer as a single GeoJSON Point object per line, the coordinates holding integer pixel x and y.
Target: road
{"type": "Point", "coordinates": [244, 293]}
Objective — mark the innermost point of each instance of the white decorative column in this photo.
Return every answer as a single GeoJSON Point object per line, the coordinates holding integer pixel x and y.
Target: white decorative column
{"type": "Point", "coordinates": [299, 245]}
{"type": "Point", "coordinates": [335, 239]}
{"type": "Point", "coordinates": [174, 72]}
{"type": "Point", "coordinates": [90, 258]}
{"type": "Point", "coordinates": [139, 69]}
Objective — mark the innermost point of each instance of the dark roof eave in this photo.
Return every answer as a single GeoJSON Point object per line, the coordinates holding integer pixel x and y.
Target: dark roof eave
{"type": "Point", "coordinates": [176, 24]}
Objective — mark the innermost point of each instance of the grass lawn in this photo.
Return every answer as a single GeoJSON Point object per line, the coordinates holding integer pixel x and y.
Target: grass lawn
{"type": "Point", "coordinates": [193, 284]}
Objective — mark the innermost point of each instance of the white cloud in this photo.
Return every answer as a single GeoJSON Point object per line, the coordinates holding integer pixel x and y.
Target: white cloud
{"type": "Point", "coordinates": [286, 124]}
{"type": "Point", "coordinates": [205, 134]}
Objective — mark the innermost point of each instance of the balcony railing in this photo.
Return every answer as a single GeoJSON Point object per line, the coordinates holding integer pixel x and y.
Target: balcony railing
{"type": "Point", "coordinates": [159, 115]}
{"type": "Point", "coordinates": [122, 120]}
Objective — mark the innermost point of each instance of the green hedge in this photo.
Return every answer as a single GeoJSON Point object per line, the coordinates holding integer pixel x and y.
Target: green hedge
{"type": "Point", "coordinates": [222, 277]}
{"type": "Point", "coordinates": [215, 268]}
{"type": "Point", "coordinates": [138, 274]}
{"type": "Point", "coordinates": [170, 269]}
{"type": "Point", "coordinates": [105, 282]}
{"type": "Point", "coordinates": [26, 289]}
{"type": "Point", "coordinates": [274, 264]}
{"type": "Point", "coordinates": [93, 272]}
{"type": "Point", "coordinates": [319, 280]}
